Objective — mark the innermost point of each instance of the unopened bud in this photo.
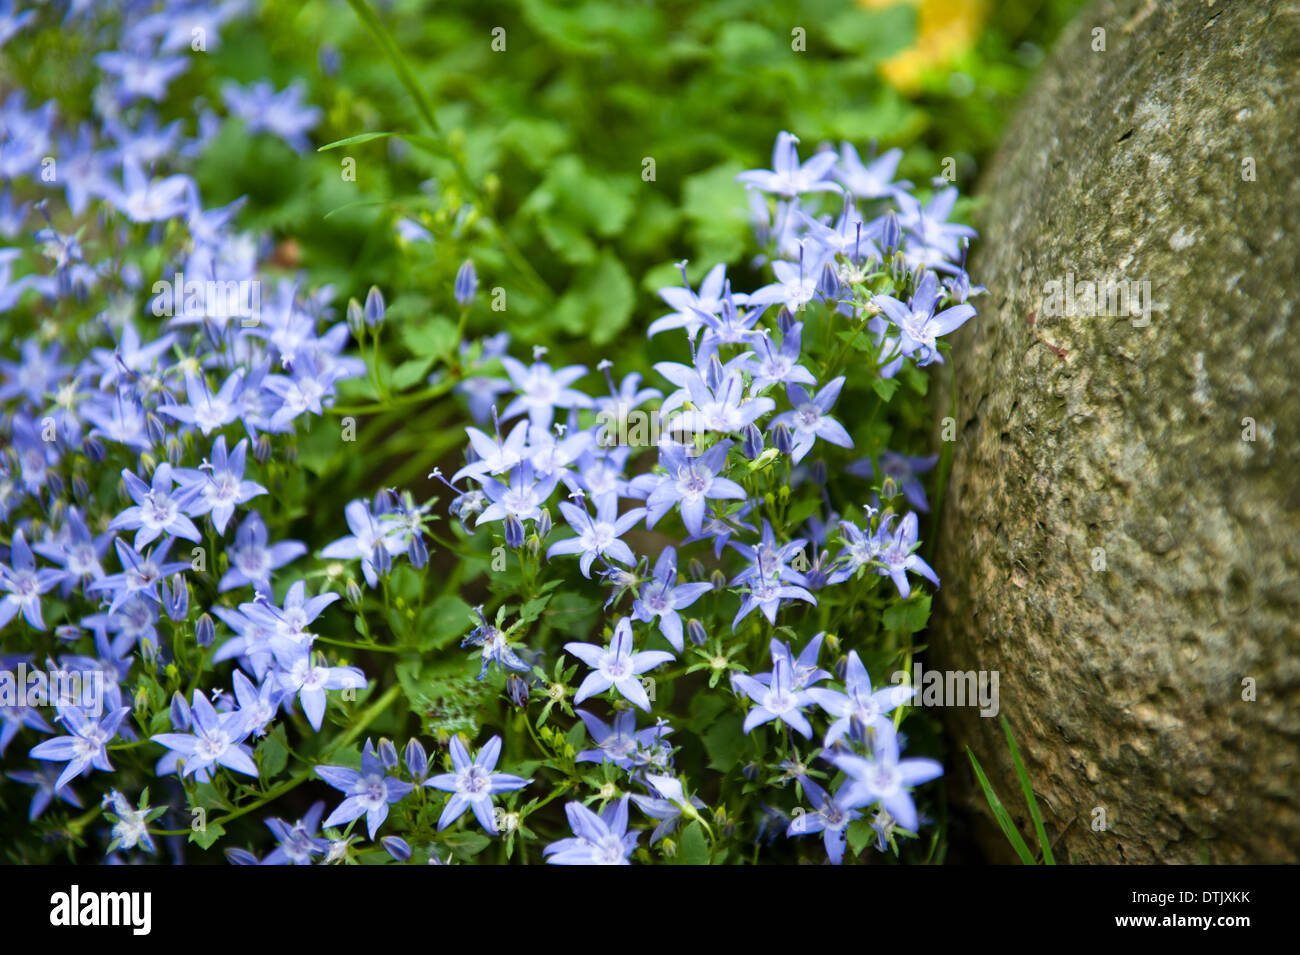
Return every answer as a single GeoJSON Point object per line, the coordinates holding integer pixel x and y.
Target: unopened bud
{"type": "Point", "coordinates": [205, 631]}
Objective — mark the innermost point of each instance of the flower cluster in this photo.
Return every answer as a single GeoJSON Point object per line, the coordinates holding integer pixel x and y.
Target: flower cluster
{"type": "Point", "coordinates": [617, 547]}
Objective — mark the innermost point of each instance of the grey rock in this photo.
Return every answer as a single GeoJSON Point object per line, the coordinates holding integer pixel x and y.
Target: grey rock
{"type": "Point", "coordinates": [1162, 443]}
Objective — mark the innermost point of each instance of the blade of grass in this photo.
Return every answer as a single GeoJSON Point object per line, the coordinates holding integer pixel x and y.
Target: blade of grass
{"type": "Point", "coordinates": [1000, 813]}
{"type": "Point", "coordinates": [427, 143]}
{"type": "Point", "coordinates": [404, 72]}
{"type": "Point", "coordinates": [1048, 858]}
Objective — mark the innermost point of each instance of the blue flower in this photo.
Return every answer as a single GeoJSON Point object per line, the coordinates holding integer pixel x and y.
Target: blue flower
{"type": "Point", "coordinates": [776, 701]}
{"type": "Point", "coordinates": [496, 646]}
{"type": "Point", "coordinates": [598, 537]}
{"type": "Point", "coordinates": [44, 779]}
{"type": "Point", "coordinates": [216, 741]}
{"type": "Point", "coordinates": [466, 283]}
{"type": "Point", "coordinates": [369, 792]}
{"type": "Point", "coordinates": [689, 483]}
{"type": "Point", "coordinates": [473, 784]}
{"type": "Point", "coordinates": [831, 817]}
{"type": "Point", "coordinates": [253, 557]}
{"type": "Point", "coordinates": [884, 779]}
{"type": "Point", "coordinates": [85, 747]}
{"type": "Point", "coordinates": [542, 390]}
{"type": "Point", "coordinates": [918, 325]}
{"type": "Point", "coordinates": [597, 840]}
{"type": "Point", "coordinates": [157, 510]}
{"type": "Point", "coordinates": [873, 179]}
{"type": "Point", "coordinates": [369, 534]}
{"type": "Point", "coordinates": [281, 114]}
{"type": "Point", "coordinates": [623, 744]}
{"type": "Point", "coordinates": [299, 675]}
{"type": "Point", "coordinates": [298, 843]}
{"type": "Point", "coordinates": [24, 584]}
{"type": "Point", "coordinates": [860, 710]}
{"type": "Point", "coordinates": [617, 666]}
{"type": "Point", "coordinates": [788, 178]}
{"type": "Point", "coordinates": [811, 419]}
{"type": "Point", "coordinates": [897, 557]}
{"type": "Point", "coordinates": [662, 597]}
{"type": "Point", "coordinates": [217, 487]}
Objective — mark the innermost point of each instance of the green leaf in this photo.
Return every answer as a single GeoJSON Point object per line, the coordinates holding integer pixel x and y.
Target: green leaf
{"type": "Point", "coordinates": [533, 607]}
{"type": "Point", "coordinates": [466, 844]}
{"type": "Point", "coordinates": [1000, 813]}
{"type": "Point", "coordinates": [433, 338]}
{"type": "Point", "coordinates": [860, 835]}
{"type": "Point", "coordinates": [391, 50]}
{"type": "Point", "coordinates": [1028, 789]}
{"type": "Point", "coordinates": [205, 837]}
{"type": "Point", "coordinates": [694, 848]}
{"type": "Point", "coordinates": [272, 756]}
{"type": "Point", "coordinates": [909, 616]}
{"type": "Point", "coordinates": [885, 387]}
{"type": "Point", "coordinates": [724, 743]}
{"type": "Point", "coordinates": [600, 304]}
{"type": "Point", "coordinates": [409, 373]}
{"type": "Point", "coordinates": [442, 622]}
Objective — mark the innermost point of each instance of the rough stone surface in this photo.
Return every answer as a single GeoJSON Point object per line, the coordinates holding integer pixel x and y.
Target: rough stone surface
{"type": "Point", "coordinates": [1124, 685]}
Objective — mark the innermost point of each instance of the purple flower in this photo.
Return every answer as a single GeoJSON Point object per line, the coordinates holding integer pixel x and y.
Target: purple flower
{"type": "Point", "coordinates": [918, 325]}
{"type": "Point", "coordinates": [884, 779]}
{"type": "Point", "coordinates": [466, 283]}
{"type": "Point", "coordinates": [904, 470]}
{"type": "Point", "coordinates": [368, 535]}
{"type": "Point", "coordinates": [216, 741]}
{"type": "Point", "coordinates": [662, 597]}
{"type": "Point", "coordinates": [24, 584]}
{"type": "Point", "coordinates": [473, 784]}
{"type": "Point", "coordinates": [44, 779]}
{"type": "Point", "coordinates": [148, 200]}
{"type": "Point", "coordinates": [831, 818]}
{"type": "Point", "coordinates": [299, 675]}
{"type": "Point", "coordinates": [156, 511]}
{"type": "Point", "coordinates": [623, 744]}
{"type": "Point", "coordinates": [85, 747]}
{"type": "Point", "coordinates": [777, 700]}
{"type": "Point", "coordinates": [523, 496]}
{"type": "Point", "coordinates": [298, 843]}
{"type": "Point", "coordinates": [140, 574]}
{"type": "Point", "coordinates": [690, 307]}
{"type": "Point", "coordinates": [780, 366]}
{"type": "Point", "coordinates": [718, 396]}
{"type": "Point", "coordinates": [203, 409]}
{"type": "Point", "coordinates": [218, 486]}
{"type": "Point", "coordinates": [860, 710]}
{"type": "Point", "coordinates": [788, 178]}
{"type": "Point", "coordinates": [897, 557]}
{"type": "Point", "coordinates": [281, 114]}
{"type": "Point", "coordinates": [597, 537]}
{"type": "Point", "coordinates": [804, 671]}
{"type": "Point", "coordinates": [495, 644]}
{"type": "Point", "coordinates": [811, 419]}
{"type": "Point", "coordinates": [252, 557]}
{"type": "Point", "coordinates": [690, 482]}
{"type": "Point", "coordinates": [872, 180]}
{"type": "Point", "coordinates": [597, 840]}
{"type": "Point", "coordinates": [542, 390]}
{"type": "Point", "coordinates": [617, 666]}
{"type": "Point", "coordinates": [369, 792]}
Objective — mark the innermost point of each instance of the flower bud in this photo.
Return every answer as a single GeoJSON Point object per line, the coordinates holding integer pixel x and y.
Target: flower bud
{"type": "Point", "coordinates": [262, 448]}
{"type": "Point", "coordinates": [785, 320]}
{"type": "Point", "coordinates": [353, 592]}
{"type": "Point", "coordinates": [80, 489]}
{"type": "Point", "coordinates": [891, 234]}
{"type": "Point", "coordinates": [176, 598]}
{"type": "Point", "coordinates": [514, 530]}
{"type": "Point", "coordinates": [517, 690]}
{"type": "Point", "coordinates": [356, 319]}
{"type": "Point", "coordinates": [375, 307]}
{"type": "Point", "coordinates": [93, 448]}
{"type": "Point", "coordinates": [388, 753]}
{"type": "Point", "coordinates": [781, 438]}
{"type": "Point", "coordinates": [54, 483]}
{"type": "Point", "coordinates": [417, 761]}
{"type": "Point", "coordinates": [695, 630]}
{"type": "Point", "coordinates": [382, 560]}
{"type": "Point", "coordinates": [205, 631]}
{"type": "Point", "coordinates": [156, 429]}
{"type": "Point", "coordinates": [696, 570]}
{"type": "Point", "coordinates": [719, 581]}
{"type": "Point", "coordinates": [466, 283]}
{"type": "Point", "coordinates": [180, 713]}
{"type": "Point", "coordinates": [417, 552]}
{"type": "Point", "coordinates": [544, 524]}
{"type": "Point", "coordinates": [396, 847]}
{"type": "Point", "coordinates": [819, 472]}
{"type": "Point", "coordinates": [752, 445]}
